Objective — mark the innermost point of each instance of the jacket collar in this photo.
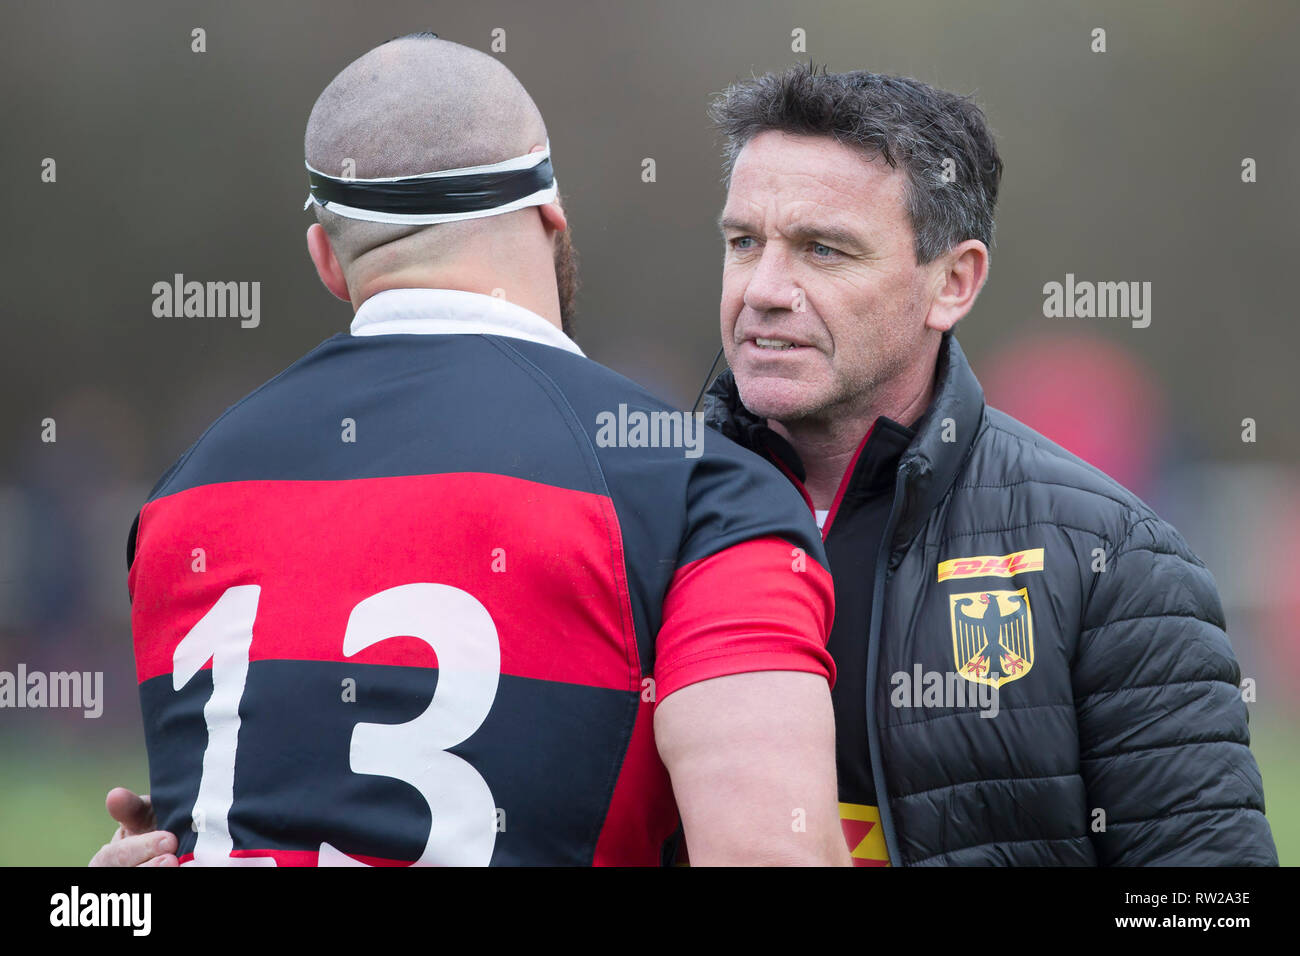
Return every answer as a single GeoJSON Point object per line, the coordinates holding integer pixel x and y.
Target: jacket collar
{"type": "Point", "coordinates": [928, 466]}
{"type": "Point", "coordinates": [938, 452]}
{"type": "Point", "coordinates": [452, 312]}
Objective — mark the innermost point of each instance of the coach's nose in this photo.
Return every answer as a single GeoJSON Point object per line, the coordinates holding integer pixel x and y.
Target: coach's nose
{"type": "Point", "coordinates": [770, 287]}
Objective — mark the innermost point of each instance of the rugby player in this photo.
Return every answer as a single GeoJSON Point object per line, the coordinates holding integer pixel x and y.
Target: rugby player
{"type": "Point", "coordinates": [406, 603]}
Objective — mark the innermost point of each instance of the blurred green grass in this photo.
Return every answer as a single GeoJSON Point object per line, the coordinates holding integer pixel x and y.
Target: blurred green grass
{"type": "Point", "coordinates": [52, 798]}
{"type": "Point", "coordinates": [1275, 748]}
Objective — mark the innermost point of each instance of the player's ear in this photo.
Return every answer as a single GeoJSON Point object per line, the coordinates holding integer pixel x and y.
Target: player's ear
{"type": "Point", "coordinates": [553, 217]}
{"type": "Point", "coordinates": [326, 263]}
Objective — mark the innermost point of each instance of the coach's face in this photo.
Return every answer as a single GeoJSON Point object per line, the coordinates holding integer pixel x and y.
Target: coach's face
{"type": "Point", "coordinates": [822, 297]}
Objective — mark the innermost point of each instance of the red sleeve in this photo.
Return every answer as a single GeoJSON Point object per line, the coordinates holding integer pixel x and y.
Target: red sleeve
{"type": "Point", "coordinates": [761, 605]}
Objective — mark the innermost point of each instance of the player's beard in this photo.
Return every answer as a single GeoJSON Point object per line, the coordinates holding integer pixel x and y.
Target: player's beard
{"type": "Point", "coordinates": [566, 279]}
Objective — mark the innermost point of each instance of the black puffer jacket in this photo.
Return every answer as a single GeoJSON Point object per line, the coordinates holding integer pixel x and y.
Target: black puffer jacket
{"type": "Point", "coordinates": [1126, 699]}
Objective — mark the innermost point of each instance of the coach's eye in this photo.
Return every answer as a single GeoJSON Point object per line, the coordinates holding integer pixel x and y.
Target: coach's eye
{"type": "Point", "coordinates": [823, 251]}
{"type": "Point", "coordinates": [738, 243]}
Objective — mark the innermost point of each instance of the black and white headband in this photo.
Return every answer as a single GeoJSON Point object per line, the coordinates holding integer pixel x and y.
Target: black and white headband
{"type": "Point", "coordinates": [448, 195]}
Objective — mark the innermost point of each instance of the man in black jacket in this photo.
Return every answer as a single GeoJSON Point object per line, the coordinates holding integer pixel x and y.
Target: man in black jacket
{"type": "Point", "coordinates": [1033, 666]}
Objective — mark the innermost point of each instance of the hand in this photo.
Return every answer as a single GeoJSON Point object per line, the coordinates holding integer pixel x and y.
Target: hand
{"type": "Point", "coordinates": [136, 842]}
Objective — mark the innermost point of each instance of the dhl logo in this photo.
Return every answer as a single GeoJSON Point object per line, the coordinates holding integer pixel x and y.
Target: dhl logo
{"type": "Point", "coordinates": [992, 566]}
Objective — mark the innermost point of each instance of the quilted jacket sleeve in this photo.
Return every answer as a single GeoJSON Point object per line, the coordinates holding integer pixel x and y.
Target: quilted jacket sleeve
{"type": "Point", "coordinates": [1163, 736]}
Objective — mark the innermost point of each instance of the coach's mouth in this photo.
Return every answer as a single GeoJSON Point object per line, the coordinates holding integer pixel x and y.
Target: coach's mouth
{"type": "Point", "coordinates": [772, 344]}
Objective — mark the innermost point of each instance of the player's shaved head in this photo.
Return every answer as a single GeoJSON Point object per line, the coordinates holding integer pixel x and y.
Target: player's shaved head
{"type": "Point", "coordinates": [415, 105]}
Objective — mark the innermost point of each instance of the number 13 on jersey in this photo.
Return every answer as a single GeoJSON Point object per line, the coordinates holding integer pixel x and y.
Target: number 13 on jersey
{"type": "Point", "coordinates": [462, 635]}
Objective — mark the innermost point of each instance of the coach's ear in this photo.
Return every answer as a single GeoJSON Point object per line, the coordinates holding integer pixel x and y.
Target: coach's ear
{"type": "Point", "coordinates": [958, 276]}
{"type": "Point", "coordinates": [326, 263]}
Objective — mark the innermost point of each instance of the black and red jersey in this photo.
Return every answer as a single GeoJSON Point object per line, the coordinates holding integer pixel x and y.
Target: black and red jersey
{"type": "Point", "coordinates": [414, 600]}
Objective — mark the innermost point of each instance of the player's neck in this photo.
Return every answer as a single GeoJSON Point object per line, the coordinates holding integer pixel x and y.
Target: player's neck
{"type": "Point", "coordinates": [515, 285]}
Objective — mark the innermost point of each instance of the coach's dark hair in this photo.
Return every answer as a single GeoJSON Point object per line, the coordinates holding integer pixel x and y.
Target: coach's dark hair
{"type": "Point", "coordinates": [902, 120]}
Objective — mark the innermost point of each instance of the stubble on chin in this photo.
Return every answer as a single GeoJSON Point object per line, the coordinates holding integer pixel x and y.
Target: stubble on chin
{"type": "Point", "coordinates": [800, 405]}
{"type": "Point", "coordinates": [778, 399]}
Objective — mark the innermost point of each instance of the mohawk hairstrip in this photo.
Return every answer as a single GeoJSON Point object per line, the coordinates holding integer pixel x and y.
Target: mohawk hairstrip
{"type": "Point", "coordinates": [470, 192]}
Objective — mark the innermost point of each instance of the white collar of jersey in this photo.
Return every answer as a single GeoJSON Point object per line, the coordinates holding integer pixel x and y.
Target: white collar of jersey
{"type": "Point", "coordinates": [452, 312]}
